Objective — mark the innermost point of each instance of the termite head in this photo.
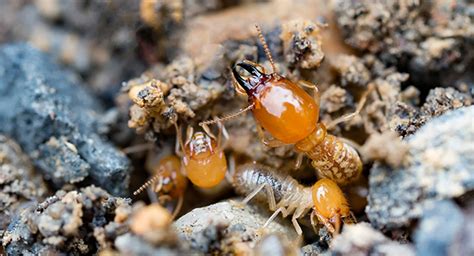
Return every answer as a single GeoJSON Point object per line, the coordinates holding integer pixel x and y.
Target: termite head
{"type": "Point", "coordinates": [203, 160]}
{"type": "Point", "coordinates": [200, 145]}
{"type": "Point", "coordinates": [173, 182]}
{"type": "Point", "coordinates": [249, 83]}
{"type": "Point", "coordinates": [330, 202]}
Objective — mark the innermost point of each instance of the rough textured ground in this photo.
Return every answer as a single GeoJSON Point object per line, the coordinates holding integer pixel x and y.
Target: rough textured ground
{"type": "Point", "coordinates": [20, 184]}
{"type": "Point", "coordinates": [228, 227]}
{"type": "Point", "coordinates": [171, 59]}
{"type": "Point", "coordinates": [76, 222]}
{"type": "Point", "coordinates": [56, 121]}
{"type": "Point", "coordinates": [438, 166]}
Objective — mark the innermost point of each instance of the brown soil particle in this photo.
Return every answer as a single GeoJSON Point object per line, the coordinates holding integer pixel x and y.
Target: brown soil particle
{"type": "Point", "coordinates": [20, 185]}
{"type": "Point", "coordinates": [387, 148]}
{"type": "Point", "coordinates": [302, 44]}
{"type": "Point", "coordinates": [407, 119]}
{"type": "Point", "coordinates": [176, 96]}
{"type": "Point", "coordinates": [150, 218]}
{"type": "Point", "coordinates": [352, 70]}
{"type": "Point", "coordinates": [68, 222]}
{"type": "Point", "coordinates": [406, 66]}
{"type": "Point", "coordinates": [430, 38]}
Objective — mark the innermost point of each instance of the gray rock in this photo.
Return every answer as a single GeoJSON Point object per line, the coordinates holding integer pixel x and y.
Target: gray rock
{"type": "Point", "coordinates": [224, 226]}
{"type": "Point", "coordinates": [129, 244]}
{"type": "Point", "coordinates": [276, 245]}
{"type": "Point", "coordinates": [55, 120]}
{"type": "Point", "coordinates": [439, 166]}
{"type": "Point", "coordinates": [362, 239]}
{"type": "Point", "coordinates": [440, 227]}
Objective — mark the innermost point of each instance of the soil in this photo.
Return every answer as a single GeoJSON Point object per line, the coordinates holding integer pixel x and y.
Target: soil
{"type": "Point", "coordinates": [91, 91]}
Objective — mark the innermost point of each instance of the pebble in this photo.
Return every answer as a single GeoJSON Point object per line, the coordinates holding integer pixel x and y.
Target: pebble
{"type": "Point", "coordinates": [55, 120]}
{"type": "Point", "coordinates": [440, 160]}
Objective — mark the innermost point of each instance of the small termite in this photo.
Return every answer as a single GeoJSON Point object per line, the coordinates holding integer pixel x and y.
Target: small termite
{"type": "Point", "coordinates": [291, 116]}
{"type": "Point", "coordinates": [284, 194]}
{"type": "Point", "coordinates": [202, 156]}
{"type": "Point", "coordinates": [168, 181]}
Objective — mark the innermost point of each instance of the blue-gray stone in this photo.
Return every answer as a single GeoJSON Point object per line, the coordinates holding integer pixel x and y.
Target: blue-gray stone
{"type": "Point", "coordinates": [439, 228]}
{"type": "Point", "coordinates": [440, 166]}
{"type": "Point", "coordinates": [56, 121]}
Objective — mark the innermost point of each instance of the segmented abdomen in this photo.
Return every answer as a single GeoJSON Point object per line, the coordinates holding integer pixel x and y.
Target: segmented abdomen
{"type": "Point", "coordinates": [249, 177]}
{"type": "Point", "coordinates": [335, 160]}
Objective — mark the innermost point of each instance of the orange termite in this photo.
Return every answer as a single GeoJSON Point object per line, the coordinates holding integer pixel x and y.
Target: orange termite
{"type": "Point", "coordinates": [291, 116]}
{"type": "Point", "coordinates": [168, 181]}
{"type": "Point", "coordinates": [202, 156]}
{"type": "Point", "coordinates": [202, 161]}
{"type": "Point", "coordinates": [284, 194]}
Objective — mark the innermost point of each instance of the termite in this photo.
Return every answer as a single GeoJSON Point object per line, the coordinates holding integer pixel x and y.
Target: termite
{"type": "Point", "coordinates": [284, 194]}
{"type": "Point", "coordinates": [202, 156]}
{"type": "Point", "coordinates": [168, 181]}
{"type": "Point", "coordinates": [291, 116]}
{"type": "Point", "coordinates": [203, 162]}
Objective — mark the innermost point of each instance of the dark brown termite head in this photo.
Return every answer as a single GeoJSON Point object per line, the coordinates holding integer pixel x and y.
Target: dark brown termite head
{"type": "Point", "coordinates": [249, 83]}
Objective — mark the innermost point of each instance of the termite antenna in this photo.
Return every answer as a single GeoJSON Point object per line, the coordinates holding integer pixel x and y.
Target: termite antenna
{"type": "Point", "coordinates": [227, 117]}
{"type": "Point", "coordinates": [265, 47]}
{"type": "Point", "coordinates": [147, 184]}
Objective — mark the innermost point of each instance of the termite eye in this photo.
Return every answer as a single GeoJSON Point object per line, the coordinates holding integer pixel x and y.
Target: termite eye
{"type": "Point", "coordinates": [252, 81]}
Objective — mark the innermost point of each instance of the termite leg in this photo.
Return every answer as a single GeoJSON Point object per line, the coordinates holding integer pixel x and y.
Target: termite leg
{"type": "Point", "coordinates": [178, 207]}
{"type": "Point", "coordinates": [253, 194]}
{"type": "Point", "coordinates": [294, 220]}
{"type": "Point", "coordinates": [229, 175]}
{"type": "Point", "coordinates": [313, 223]}
{"type": "Point", "coordinates": [222, 134]}
{"type": "Point", "coordinates": [164, 198]}
{"type": "Point", "coordinates": [348, 117]}
{"type": "Point", "coordinates": [353, 218]}
{"type": "Point", "coordinates": [179, 146]}
{"type": "Point", "coordinates": [270, 195]}
{"type": "Point", "coordinates": [207, 130]}
{"type": "Point", "coordinates": [159, 184]}
{"type": "Point", "coordinates": [325, 221]}
{"type": "Point", "coordinates": [137, 148]}
{"type": "Point", "coordinates": [337, 223]}
{"type": "Point", "coordinates": [271, 143]}
{"type": "Point", "coordinates": [316, 95]}
{"type": "Point", "coordinates": [291, 207]}
{"type": "Point", "coordinates": [152, 195]}
{"type": "Point", "coordinates": [189, 133]}
{"type": "Point", "coordinates": [281, 209]}
{"type": "Point", "coordinates": [299, 161]}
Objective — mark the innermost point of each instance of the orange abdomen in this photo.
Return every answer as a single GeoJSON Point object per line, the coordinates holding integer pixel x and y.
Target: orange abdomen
{"type": "Point", "coordinates": [285, 110]}
{"type": "Point", "coordinates": [206, 170]}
